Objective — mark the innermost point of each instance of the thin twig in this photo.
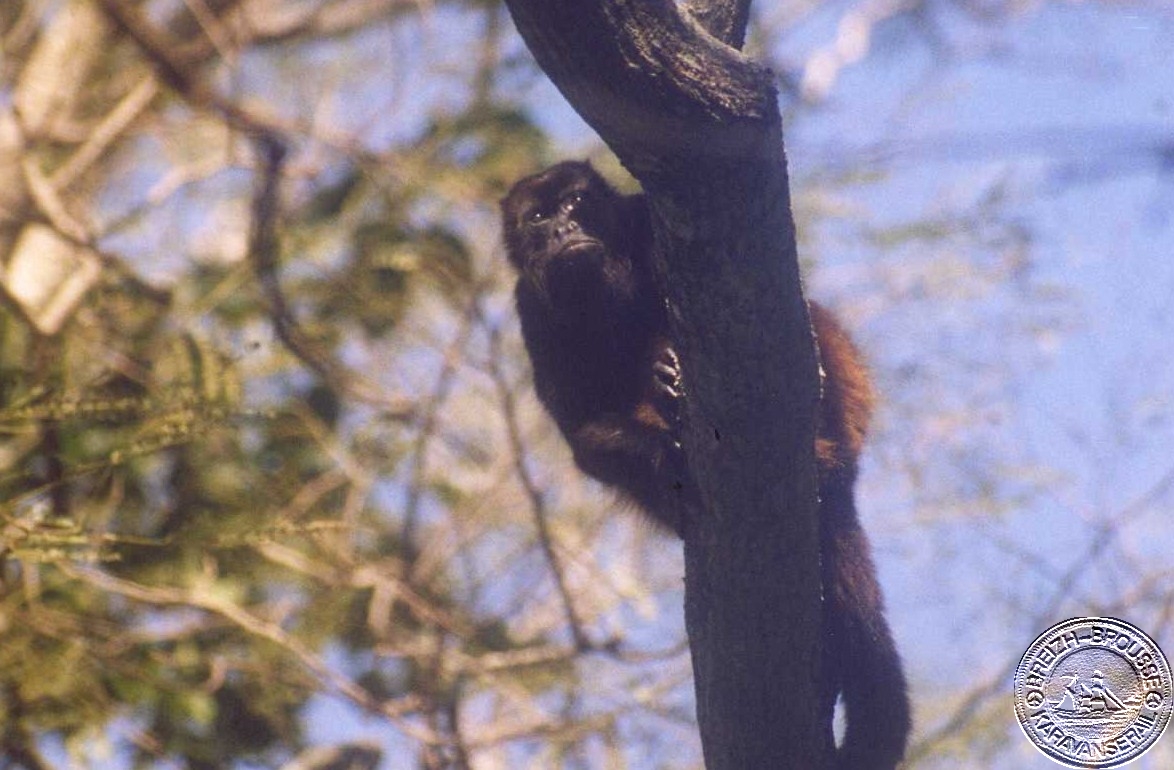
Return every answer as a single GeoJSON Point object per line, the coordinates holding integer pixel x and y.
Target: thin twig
{"type": "Point", "coordinates": [264, 251]}
{"type": "Point", "coordinates": [428, 422]}
{"type": "Point", "coordinates": [533, 493]}
{"type": "Point", "coordinates": [208, 601]}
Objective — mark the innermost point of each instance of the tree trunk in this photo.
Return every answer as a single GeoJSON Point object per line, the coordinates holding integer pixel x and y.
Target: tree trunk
{"type": "Point", "coordinates": [698, 125]}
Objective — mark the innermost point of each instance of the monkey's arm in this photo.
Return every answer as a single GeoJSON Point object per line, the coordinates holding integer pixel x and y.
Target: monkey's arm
{"type": "Point", "coordinates": [629, 443]}
{"type": "Point", "coordinates": [637, 451]}
{"type": "Point", "coordinates": [624, 453]}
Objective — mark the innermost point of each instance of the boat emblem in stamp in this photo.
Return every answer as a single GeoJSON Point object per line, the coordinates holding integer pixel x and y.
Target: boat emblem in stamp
{"type": "Point", "coordinates": [1093, 692]}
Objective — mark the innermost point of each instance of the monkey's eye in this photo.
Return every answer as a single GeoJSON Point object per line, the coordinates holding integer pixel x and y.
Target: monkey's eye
{"type": "Point", "coordinates": [537, 216]}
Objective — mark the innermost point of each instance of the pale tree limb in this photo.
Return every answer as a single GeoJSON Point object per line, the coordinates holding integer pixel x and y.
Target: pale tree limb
{"type": "Point", "coordinates": [396, 709]}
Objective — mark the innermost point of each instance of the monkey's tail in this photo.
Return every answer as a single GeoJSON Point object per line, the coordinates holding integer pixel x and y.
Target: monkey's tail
{"type": "Point", "coordinates": [861, 659]}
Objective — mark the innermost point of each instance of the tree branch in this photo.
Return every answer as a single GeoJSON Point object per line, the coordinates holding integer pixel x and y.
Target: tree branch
{"type": "Point", "coordinates": [649, 79]}
{"type": "Point", "coordinates": [534, 493]}
{"type": "Point", "coordinates": [396, 709]}
{"type": "Point", "coordinates": [264, 250]}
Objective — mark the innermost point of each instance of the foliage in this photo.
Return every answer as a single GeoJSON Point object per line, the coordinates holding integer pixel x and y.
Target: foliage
{"type": "Point", "coordinates": [254, 501]}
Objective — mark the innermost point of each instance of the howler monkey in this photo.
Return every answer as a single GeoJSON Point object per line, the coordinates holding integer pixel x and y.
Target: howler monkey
{"type": "Point", "coordinates": [597, 334]}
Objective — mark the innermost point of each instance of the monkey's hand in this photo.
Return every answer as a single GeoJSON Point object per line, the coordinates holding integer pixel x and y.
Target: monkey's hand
{"type": "Point", "coordinates": [668, 389]}
{"type": "Point", "coordinates": [666, 374]}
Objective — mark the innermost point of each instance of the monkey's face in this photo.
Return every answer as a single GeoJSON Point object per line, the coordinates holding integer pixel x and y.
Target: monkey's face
{"type": "Point", "coordinates": [565, 230]}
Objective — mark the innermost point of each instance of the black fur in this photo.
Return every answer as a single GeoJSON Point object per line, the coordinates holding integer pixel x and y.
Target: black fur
{"type": "Point", "coordinates": [595, 329]}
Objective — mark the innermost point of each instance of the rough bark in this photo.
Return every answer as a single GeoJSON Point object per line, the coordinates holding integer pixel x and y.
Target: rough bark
{"type": "Point", "coordinates": [698, 125]}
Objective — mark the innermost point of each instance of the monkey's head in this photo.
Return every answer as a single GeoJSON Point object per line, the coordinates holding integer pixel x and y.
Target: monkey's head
{"type": "Point", "coordinates": [571, 236]}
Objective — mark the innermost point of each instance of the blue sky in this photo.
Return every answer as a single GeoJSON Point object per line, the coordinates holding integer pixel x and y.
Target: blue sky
{"type": "Point", "coordinates": [1056, 366]}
